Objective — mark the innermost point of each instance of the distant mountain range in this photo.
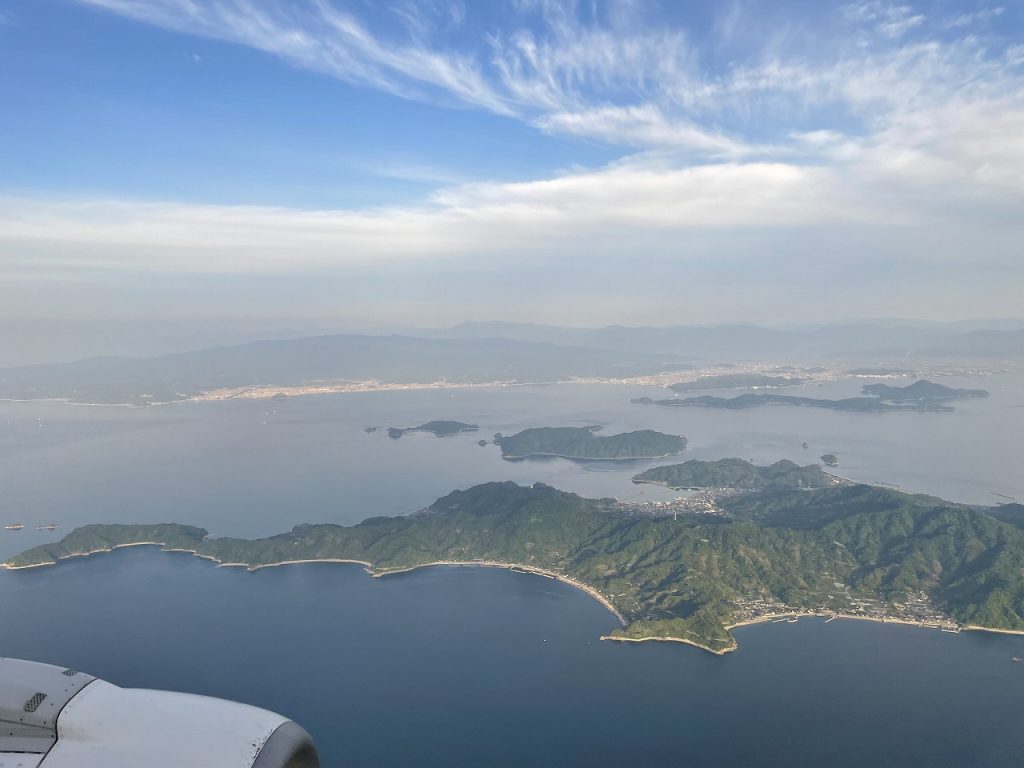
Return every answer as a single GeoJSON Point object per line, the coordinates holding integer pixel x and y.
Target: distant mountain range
{"type": "Point", "coordinates": [295, 362]}
{"type": "Point", "coordinates": [508, 352]}
{"type": "Point", "coordinates": [876, 340]}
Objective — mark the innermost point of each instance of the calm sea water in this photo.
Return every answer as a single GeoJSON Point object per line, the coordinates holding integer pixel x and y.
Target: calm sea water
{"type": "Point", "coordinates": [482, 667]}
{"type": "Point", "coordinates": [254, 468]}
{"type": "Point", "coordinates": [477, 666]}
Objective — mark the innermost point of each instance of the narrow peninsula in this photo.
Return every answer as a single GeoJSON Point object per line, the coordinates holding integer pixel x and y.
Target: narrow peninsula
{"type": "Point", "coordinates": [856, 550]}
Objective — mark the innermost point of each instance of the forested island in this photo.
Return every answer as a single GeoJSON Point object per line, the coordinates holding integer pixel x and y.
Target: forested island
{"type": "Point", "coordinates": [735, 381]}
{"type": "Point", "coordinates": [440, 428]}
{"type": "Point", "coordinates": [582, 443]}
{"type": "Point", "coordinates": [855, 550]}
{"type": "Point", "coordinates": [738, 474]}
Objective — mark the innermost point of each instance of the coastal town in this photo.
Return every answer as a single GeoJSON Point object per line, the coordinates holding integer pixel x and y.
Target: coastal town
{"type": "Point", "coordinates": [699, 502]}
{"type": "Point", "coordinates": [915, 610]}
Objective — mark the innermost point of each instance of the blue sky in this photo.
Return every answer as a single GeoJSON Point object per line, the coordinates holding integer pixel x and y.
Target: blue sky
{"type": "Point", "coordinates": [581, 162]}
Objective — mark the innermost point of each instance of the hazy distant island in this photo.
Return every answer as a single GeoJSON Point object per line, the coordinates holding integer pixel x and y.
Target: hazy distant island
{"type": "Point", "coordinates": [439, 428]}
{"type": "Point", "coordinates": [736, 381]}
{"type": "Point", "coordinates": [920, 391]}
{"type": "Point", "coordinates": [582, 443]}
{"type": "Point", "coordinates": [920, 396]}
{"type": "Point", "coordinates": [856, 550]}
{"type": "Point", "coordinates": [830, 460]}
{"type": "Point", "coordinates": [861, 404]}
{"type": "Point", "coordinates": [737, 474]}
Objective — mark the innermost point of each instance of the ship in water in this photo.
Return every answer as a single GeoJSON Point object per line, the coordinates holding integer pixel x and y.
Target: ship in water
{"type": "Point", "coordinates": [47, 527]}
{"type": "Point", "coordinates": [13, 527]}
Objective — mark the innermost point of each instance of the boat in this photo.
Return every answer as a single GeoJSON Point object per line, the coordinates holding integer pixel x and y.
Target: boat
{"type": "Point", "coordinates": [47, 527]}
{"type": "Point", "coordinates": [1015, 659]}
{"type": "Point", "coordinates": [13, 527]}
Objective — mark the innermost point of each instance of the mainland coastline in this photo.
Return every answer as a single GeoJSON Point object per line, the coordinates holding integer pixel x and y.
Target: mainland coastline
{"type": "Point", "coordinates": [368, 567]}
{"type": "Point", "coordinates": [604, 601]}
{"type": "Point", "coordinates": [795, 544]}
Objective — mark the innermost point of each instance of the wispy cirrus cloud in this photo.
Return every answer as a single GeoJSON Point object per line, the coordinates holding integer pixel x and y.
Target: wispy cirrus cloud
{"type": "Point", "coordinates": [982, 16]}
{"type": "Point", "coordinates": [899, 122]}
{"type": "Point", "coordinates": [323, 37]}
{"type": "Point", "coordinates": [890, 19]}
{"type": "Point", "coordinates": [612, 72]}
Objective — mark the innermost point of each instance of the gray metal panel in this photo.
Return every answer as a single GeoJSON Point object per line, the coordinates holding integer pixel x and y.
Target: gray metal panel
{"type": "Point", "coordinates": [32, 695]}
{"type": "Point", "coordinates": [288, 747]}
{"type": "Point", "coordinates": [109, 727]}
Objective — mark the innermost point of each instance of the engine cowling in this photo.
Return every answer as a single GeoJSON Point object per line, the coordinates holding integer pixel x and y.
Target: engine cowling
{"type": "Point", "coordinates": [60, 718]}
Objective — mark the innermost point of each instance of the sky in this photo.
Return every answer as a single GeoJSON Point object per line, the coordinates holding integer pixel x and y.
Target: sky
{"type": "Point", "coordinates": [358, 164]}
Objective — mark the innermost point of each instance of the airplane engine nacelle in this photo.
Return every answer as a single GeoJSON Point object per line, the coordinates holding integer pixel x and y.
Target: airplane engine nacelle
{"type": "Point", "coordinates": [59, 718]}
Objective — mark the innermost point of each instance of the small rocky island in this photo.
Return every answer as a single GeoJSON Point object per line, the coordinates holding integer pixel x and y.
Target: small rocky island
{"type": "Point", "coordinates": [736, 474]}
{"type": "Point", "coordinates": [830, 460]}
{"type": "Point", "coordinates": [584, 444]}
{"type": "Point", "coordinates": [436, 428]}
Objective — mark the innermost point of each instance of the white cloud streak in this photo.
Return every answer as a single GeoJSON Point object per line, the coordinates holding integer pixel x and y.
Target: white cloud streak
{"type": "Point", "coordinates": [894, 128]}
{"type": "Point", "coordinates": [319, 36]}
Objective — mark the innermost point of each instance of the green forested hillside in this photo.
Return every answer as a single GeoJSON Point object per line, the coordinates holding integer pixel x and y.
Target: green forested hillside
{"type": "Point", "coordinates": [688, 578]}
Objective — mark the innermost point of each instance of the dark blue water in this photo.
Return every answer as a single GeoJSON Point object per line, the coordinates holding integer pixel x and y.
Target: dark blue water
{"type": "Point", "coordinates": [473, 666]}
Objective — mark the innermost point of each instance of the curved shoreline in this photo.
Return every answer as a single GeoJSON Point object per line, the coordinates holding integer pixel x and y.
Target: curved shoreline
{"type": "Point", "coordinates": [163, 548]}
{"type": "Point", "coordinates": [374, 572]}
{"type": "Point", "coordinates": [370, 569]}
{"type": "Point", "coordinates": [773, 617]}
{"type": "Point", "coordinates": [685, 641]}
{"type": "Point", "coordinates": [515, 567]}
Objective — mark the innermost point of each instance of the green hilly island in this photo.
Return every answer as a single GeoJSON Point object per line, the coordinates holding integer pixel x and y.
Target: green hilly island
{"type": "Point", "coordinates": [582, 443]}
{"type": "Point", "coordinates": [736, 473]}
{"type": "Point", "coordinates": [855, 550]}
